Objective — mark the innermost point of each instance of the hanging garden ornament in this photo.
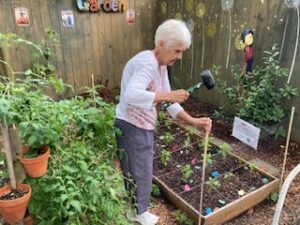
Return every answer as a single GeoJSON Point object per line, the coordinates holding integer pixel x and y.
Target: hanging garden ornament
{"type": "Point", "coordinates": [210, 32]}
{"type": "Point", "coordinates": [200, 12]}
{"type": "Point", "coordinates": [178, 16]}
{"type": "Point", "coordinates": [226, 6]}
{"type": "Point", "coordinates": [294, 4]}
{"type": "Point", "coordinates": [239, 44]}
{"type": "Point", "coordinates": [247, 38]}
{"type": "Point", "coordinates": [211, 29]}
{"type": "Point", "coordinates": [200, 9]}
{"type": "Point", "coordinates": [189, 5]}
{"type": "Point", "coordinates": [163, 7]}
{"type": "Point", "coordinates": [191, 25]}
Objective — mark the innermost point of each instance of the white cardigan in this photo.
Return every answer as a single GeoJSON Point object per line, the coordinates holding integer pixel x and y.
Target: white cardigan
{"type": "Point", "coordinates": [141, 78]}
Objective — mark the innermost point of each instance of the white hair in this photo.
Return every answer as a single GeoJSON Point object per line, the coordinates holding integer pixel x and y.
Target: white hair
{"type": "Point", "coordinates": [173, 32]}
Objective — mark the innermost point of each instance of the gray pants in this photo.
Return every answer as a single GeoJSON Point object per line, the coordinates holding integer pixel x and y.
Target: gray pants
{"type": "Point", "coordinates": [136, 159]}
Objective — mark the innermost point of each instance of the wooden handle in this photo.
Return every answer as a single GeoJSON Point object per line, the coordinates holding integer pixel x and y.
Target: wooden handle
{"type": "Point", "coordinates": [203, 177]}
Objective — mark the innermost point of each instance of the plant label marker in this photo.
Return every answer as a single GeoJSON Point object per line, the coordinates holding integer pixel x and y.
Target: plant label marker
{"type": "Point", "coordinates": [265, 180]}
{"type": "Point", "coordinates": [215, 174]}
{"type": "Point", "coordinates": [193, 161]}
{"type": "Point", "coordinates": [222, 202]}
{"type": "Point", "coordinates": [252, 188]}
{"type": "Point", "coordinates": [187, 187]}
{"type": "Point", "coordinates": [208, 211]}
{"type": "Point", "coordinates": [241, 193]}
{"type": "Point", "coordinates": [174, 147]}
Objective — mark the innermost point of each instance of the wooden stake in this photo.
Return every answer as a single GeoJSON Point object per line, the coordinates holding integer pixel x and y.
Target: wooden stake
{"type": "Point", "coordinates": [93, 87]}
{"type": "Point", "coordinates": [7, 149]}
{"type": "Point", "coordinates": [203, 177]}
{"type": "Point", "coordinates": [287, 145]}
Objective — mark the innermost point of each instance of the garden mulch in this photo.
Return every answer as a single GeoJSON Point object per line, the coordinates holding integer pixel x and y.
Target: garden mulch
{"type": "Point", "coordinates": [269, 150]}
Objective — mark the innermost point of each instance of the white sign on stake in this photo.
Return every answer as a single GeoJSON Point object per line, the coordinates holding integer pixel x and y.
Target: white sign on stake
{"type": "Point", "coordinates": [245, 132]}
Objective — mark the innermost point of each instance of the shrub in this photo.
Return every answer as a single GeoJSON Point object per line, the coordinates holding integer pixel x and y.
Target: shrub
{"type": "Point", "coordinates": [165, 157]}
{"type": "Point", "coordinates": [182, 218]}
{"type": "Point", "coordinates": [82, 185]}
{"type": "Point", "coordinates": [260, 97]}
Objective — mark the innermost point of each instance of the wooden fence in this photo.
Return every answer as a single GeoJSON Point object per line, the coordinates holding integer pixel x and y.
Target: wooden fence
{"type": "Point", "coordinates": [99, 43]}
{"type": "Point", "coordinates": [216, 30]}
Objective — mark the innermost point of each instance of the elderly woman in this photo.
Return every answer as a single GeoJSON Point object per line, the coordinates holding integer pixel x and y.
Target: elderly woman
{"type": "Point", "coordinates": [145, 83]}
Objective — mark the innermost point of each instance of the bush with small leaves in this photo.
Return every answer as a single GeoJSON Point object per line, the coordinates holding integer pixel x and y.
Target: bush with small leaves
{"type": "Point", "coordinates": [155, 191]}
{"type": "Point", "coordinates": [213, 183]}
{"type": "Point", "coordinates": [186, 172]}
{"type": "Point", "coordinates": [181, 218]}
{"type": "Point", "coordinates": [224, 149]}
{"type": "Point", "coordinates": [260, 97]}
{"type": "Point", "coordinates": [165, 157]}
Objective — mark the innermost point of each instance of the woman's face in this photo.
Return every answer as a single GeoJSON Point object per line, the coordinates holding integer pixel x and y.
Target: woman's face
{"type": "Point", "coordinates": [168, 56]}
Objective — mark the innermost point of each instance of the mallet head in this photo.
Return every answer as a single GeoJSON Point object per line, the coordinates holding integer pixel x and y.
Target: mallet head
{"type": "Point", "coordinates": [208, 79]}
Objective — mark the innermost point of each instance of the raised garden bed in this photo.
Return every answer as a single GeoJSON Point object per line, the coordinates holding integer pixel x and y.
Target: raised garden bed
{"type": "Point", "coordinates": [232, 185]}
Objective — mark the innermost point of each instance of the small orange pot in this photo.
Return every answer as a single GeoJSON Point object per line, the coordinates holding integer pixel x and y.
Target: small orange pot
{"type": "Point", "coordinates": [28, 220]}
{"type": "Point", "coordinates": [37, 167]}
{"type": "Point", "coordinates": [13, 211]}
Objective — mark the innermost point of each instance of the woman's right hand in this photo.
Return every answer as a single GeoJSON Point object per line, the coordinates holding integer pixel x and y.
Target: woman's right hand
{"type": "Point", "coordinates": [179, 95]}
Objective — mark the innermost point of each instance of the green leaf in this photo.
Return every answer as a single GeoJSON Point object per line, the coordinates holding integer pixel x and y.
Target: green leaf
{"type": "Point", "coordinates": [28, 72]}
{"type": "Point", "coordinates": [76, 204]}
{"type": "Point", "coordinates": [113, 193]}
{"type": "Point", "coordinates": [32, 140]}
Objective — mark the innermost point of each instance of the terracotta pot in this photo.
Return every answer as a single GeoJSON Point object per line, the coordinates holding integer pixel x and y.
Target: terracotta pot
{"type": "Point", "coordinates": [28, 220]}
{"type": "Point", "coordinates": [13, 211]}
{"type": "Point", "coordinates": [37, 167]}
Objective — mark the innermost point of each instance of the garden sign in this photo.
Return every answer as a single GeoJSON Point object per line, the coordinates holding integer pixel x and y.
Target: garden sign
{"type": "Point", "coordinates": [98, 5]}
{"type": "Point", "coordinates": [245, 132]}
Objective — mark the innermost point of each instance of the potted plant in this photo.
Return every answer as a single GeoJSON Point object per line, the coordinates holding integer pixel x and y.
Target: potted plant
{"type": "Point", "coordinates": [13, 197]}
{"type": "Point", "coordinates": [26, 106]}
{"type": "Point", "coordinates": [34, 115]}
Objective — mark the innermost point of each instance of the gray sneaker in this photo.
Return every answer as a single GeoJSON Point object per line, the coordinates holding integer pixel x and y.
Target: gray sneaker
{"type": "Point", "coordinates": [145, 218]}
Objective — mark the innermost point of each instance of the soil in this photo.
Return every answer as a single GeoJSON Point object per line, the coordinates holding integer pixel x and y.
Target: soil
{"type": "Point", "coordinates": [269, 150]}
{"type": "Point", "coordinates": [187, 154]}
{"type": "Point", "coordinates": [161, 130]}
{"type": "Point", "coordinates": [211, 198]}
{"type": "Point", "coordinates": [179, 138]}
{"type": "Point", "coordinates": [159, 168]}
{"type": "Point", "coordinates": [4, 181]}
{"type": "Point", "coordinates": [14, 194]}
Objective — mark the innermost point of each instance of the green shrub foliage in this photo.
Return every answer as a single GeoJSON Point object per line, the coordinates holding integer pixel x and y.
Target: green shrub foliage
{"type": "Point", "coordinates": [83, 184]}
{"type": "Point", "coordinates": [259, 97]}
